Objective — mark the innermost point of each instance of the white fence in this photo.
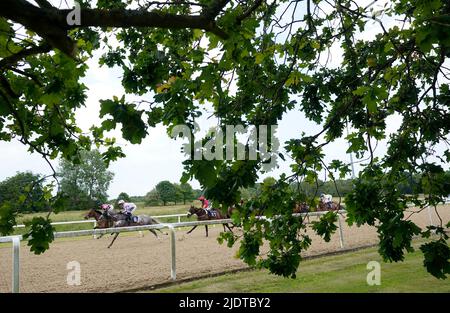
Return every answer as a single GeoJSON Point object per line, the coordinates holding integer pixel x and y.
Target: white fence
{"type": "Point", "coordinates": [171, 226]}
{"type": "Point", "coordinates": [93, 221]}
{"type": "Point", "coordinates": [179, 216]}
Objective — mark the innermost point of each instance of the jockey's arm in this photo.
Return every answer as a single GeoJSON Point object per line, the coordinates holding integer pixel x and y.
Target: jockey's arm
{"type": "Point", "coordinates": [131, 208]}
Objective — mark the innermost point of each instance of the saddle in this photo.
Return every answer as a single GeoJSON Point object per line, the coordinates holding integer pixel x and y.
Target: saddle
{"type": "Point", "coordinates": [211, 212]}
{"type": "Point", "coordinates": [131, 218]}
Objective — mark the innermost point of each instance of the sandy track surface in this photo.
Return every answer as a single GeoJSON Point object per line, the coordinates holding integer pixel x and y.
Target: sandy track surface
{"type": "Point", "coordinates": [135, 262]}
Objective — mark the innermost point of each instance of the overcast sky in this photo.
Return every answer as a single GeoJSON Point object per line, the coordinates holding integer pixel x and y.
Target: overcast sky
{"type": "Point", "coordinates": [159, 157]}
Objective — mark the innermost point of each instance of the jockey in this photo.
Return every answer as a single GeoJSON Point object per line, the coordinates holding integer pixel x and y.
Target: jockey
{"type": "Point", "coordinates": [107, 208]}
{"type": "Point", "coordinates": [127, 209]}
{"type": "Point", "coordinates": [205, 205]}
{"type": "Point", "coordinates": [326, 199]}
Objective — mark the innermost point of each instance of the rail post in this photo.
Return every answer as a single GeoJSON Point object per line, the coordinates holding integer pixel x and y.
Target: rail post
{"type": "Point", "coordinates": [16, 264]}
{"type": "Point", "coordinates": [173, 269]}
{"type": "Point", "coordinates": [341, 233]}
{"type": "Point", "coordinates": [179, 219]}
{"type": "Point", "coordinates": [94, 235]}
{"type": "Point", "coordinates": [430, 216]}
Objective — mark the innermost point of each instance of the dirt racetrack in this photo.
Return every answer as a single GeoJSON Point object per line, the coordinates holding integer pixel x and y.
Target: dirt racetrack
{"type": "Point", "coordinates": [135, 262]}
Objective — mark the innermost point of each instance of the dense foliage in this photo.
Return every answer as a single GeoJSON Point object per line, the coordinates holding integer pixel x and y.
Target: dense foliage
{"type": "Point", "coordinates": [24, 192]}
{"type": "Point", "coordinates": [86, 183]}
{"type": "Point", "coordinates": [166, 192]}
{"type": "Point", "coordinates": [250, 63]}
{"type": "Point", "coordinates": [124, 196]}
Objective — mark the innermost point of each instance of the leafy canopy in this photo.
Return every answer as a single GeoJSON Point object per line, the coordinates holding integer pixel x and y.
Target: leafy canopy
{"type": "Point", "coordinates": [166, 191]}
{"type": "Point", "coordinates": [84, 184]}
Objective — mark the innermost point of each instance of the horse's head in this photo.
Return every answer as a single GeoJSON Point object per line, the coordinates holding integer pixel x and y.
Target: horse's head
{"type": "Point", "coordinates": [89, 214]}
{"type": "Point", "coordinates": [92, 213]}
{"type": "Point", "coordinates": [192, 210]}
{"type": "Point", "coordinates": [301, 207]}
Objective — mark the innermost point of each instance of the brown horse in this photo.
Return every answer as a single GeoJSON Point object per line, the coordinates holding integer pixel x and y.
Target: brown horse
{"type": "Point", "coordinates": [332, 206]}
{"type": "Point", "coordinates": [301, 208]}
{"type": "Point", "coordinates": [102, 222]}
{"type": "Point", "coordinates": [202, 215]}
{"type": "Point", "coordinates": [114, 219]}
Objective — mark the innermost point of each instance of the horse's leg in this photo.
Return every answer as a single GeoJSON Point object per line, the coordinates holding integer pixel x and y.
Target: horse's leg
{"type": "Point", "coordinates": [162, 232]}
{"type": "Point", "coordinates": [154, 233]}
{"type": "Point", "coordinates": [227, 227]}
{"type": "Point", "coordinates": [99, 236]}
{"type": "Point", "coordinates": [192, 229]}
{"type": "Point", "coordinates": [206, 227]}
{"type": "Point", "coordinates": [115, 237]}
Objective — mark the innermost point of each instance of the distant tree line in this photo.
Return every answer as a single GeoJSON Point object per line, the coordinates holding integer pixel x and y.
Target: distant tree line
{"type": "Point", "coordinates": [24, 192]}
{"type": "Point", "coordinates": [83, 185]}
{"type": "Point", "coordinates": [337, 188]}
{"type": "Point", "coordinates": [166, 192]}
{"type": "Point", "coordinates": [87, 183]}
{"type": "Point", "coordinates": [341, 187]}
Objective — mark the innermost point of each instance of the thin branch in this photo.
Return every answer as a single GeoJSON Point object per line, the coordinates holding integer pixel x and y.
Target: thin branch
{"type": "Point", "coordinates": [13, 59]}
{"type": "Point", "coordinates": [51, 23]}
{"type": "Point", "coordinates": [44, 4]}
{"type": "Point", "coordinates": [249, 11]}
{"type": "Point", "coordinates": [214, 9]}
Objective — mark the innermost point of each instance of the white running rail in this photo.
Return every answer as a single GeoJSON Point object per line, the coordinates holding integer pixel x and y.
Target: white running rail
{"type": "Point", "coordinates": [93, 221]}
{"type": "Point", "coordinates": [171, 226]}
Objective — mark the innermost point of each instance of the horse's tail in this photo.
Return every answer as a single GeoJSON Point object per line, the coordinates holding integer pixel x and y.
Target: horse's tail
{"type": "Point", "coordinates": [148, 220]}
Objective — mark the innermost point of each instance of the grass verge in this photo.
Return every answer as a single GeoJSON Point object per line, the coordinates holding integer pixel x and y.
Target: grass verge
{"type": "Point", "coordinates": [339, 273]}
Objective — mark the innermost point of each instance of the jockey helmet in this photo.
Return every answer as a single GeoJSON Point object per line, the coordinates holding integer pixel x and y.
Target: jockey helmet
{"type": "Point", "coordinates": [104, 206]}
{"type": "Point", "coordinates": [120, 202]}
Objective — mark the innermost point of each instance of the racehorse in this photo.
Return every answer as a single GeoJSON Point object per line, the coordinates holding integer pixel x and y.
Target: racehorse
{"type": "Point", "coordinates": [113, 219]}
{"type": "Point", "coordinates": [298, 208]}
{"type": "Point", "coordinates": [202, 215]}
{"type": "Point", "coordinates": [301, 208]}
{"type": "Point", "coordinates": [331, 206]}
{"type": "Point", "coordinates": [101, 222]}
